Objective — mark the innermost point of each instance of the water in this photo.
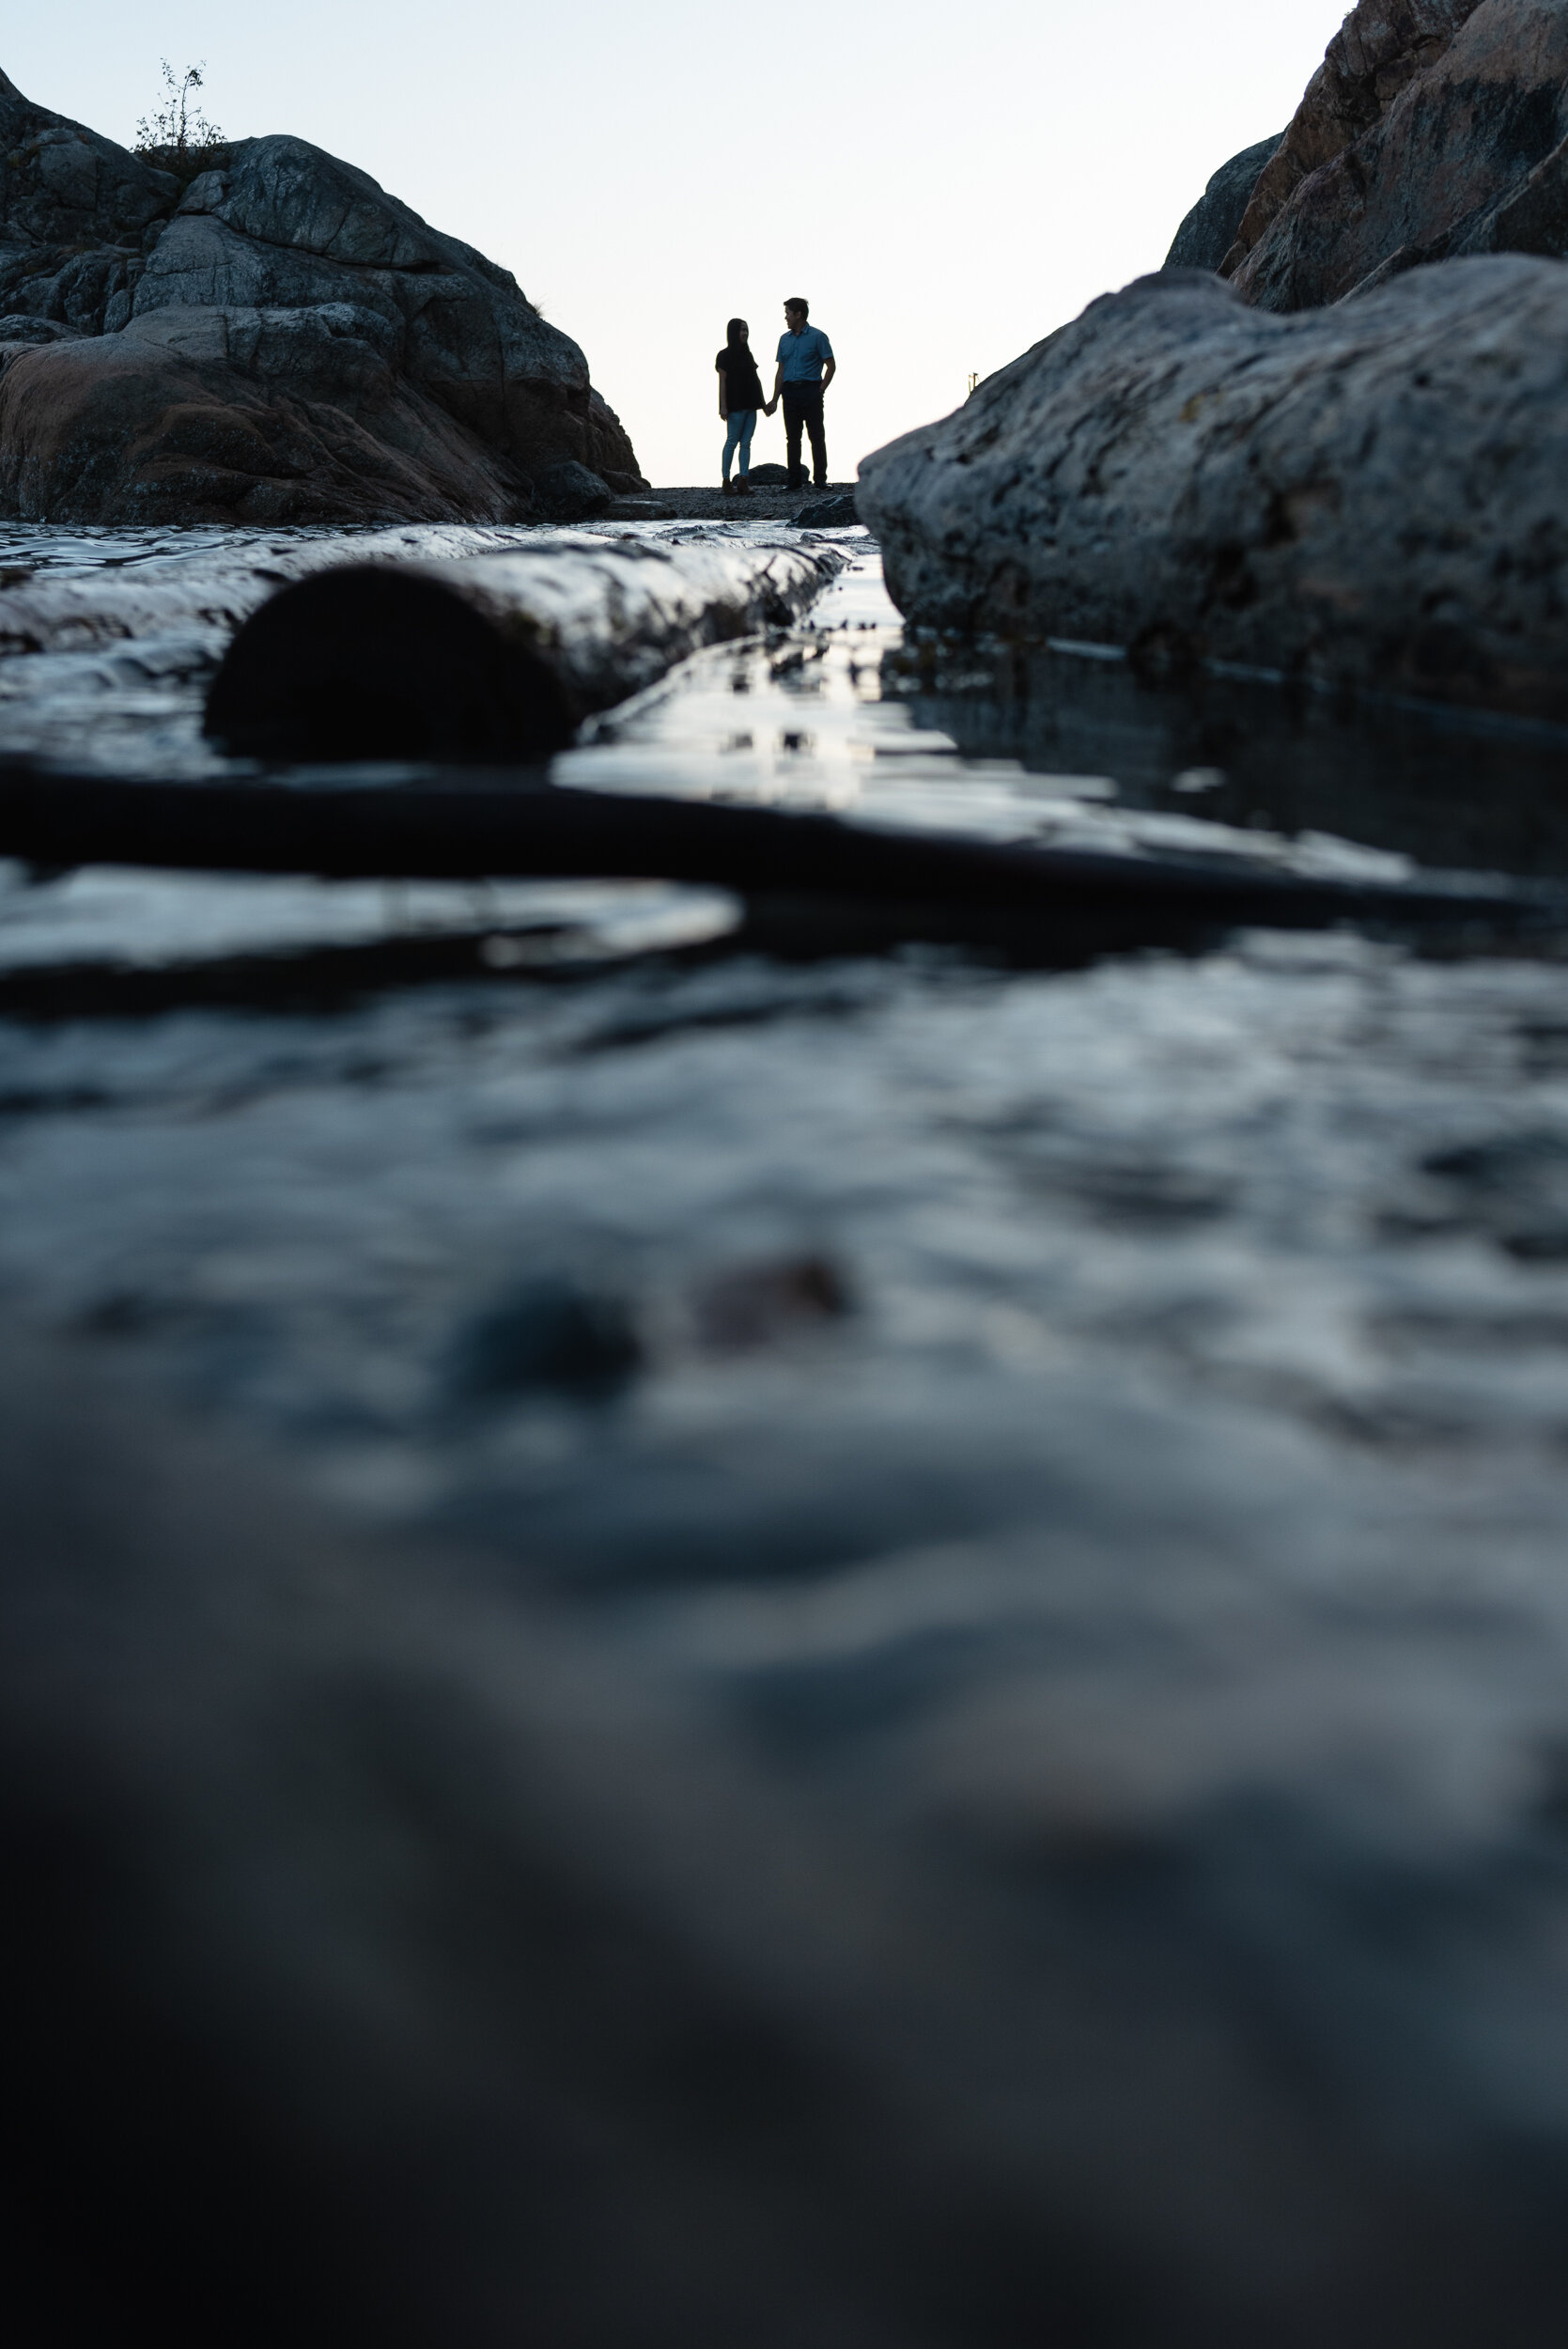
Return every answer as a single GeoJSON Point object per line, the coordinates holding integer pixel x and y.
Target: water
{"type": "Point", "coordinates": [1053, 1411]}
{"type": "Point", "coordinates": [1311, 1187]}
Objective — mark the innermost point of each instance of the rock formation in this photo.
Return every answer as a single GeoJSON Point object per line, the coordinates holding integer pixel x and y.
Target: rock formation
{"type": "Point", "coordinates": [281, 342]}
{"type": "Point", "coordinates": [1209, 230]}
{"type": "Point", "coordinates": [489, 659]}
{"type": "Point", "coordinates": [1371, 491]}
{"type": "Point", "coordinates": [612, 612]}
{"type": "Point", "coordinates": [1433, 128]}
{"type": "Point", "coordinates": [1367, 492]}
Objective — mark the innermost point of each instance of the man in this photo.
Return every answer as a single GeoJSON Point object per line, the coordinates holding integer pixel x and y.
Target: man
{"type": "Point", "coordinates": [799, 383]}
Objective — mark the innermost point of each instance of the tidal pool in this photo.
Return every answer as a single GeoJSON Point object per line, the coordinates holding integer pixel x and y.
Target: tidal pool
{"type": "Point", "coordinates": [1055, 1411]}
{"type": "Point", "coordinates": [1307, 1186]}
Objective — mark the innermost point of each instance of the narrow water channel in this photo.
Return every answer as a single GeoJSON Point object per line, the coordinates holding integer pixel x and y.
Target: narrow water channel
{"type": "Point", "coordinates": [1094, 1398]}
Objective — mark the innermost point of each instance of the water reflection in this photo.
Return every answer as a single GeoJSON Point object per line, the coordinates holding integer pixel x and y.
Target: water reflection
{"type": "Point", "coordinates": [1447, 788]}
{"type": "Point", "coordinates": [1074, 748]}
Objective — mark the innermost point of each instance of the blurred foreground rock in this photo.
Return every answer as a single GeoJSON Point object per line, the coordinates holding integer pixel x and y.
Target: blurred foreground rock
{"type": "Point", "coordinates": [1368, 493]}
{"type": "Point", "coordinates": [282, 341]}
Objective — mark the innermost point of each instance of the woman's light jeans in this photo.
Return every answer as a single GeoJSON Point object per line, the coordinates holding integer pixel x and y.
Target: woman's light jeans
{"type": "Point", "coordinates": [742, 424]}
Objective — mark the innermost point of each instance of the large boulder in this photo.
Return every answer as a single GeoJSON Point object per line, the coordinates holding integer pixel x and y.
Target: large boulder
{"type": "Point", "coordinates": [1371, 492]}
{"type": "Point", "coordinates": [1209, 230]}
{"type": "Point", "coordinates": [266, 417]}
{"type": "Point", "coordinates": [1434, 127]}
{"type": "Point", "coordinates": [282, 341]}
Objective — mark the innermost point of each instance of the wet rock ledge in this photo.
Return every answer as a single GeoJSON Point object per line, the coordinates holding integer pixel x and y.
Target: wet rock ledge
{"type": "Point", "coordinates": [1344, 463]}
{"type": "Point", "coordinates": [592, 617]}
{"type": "Point", "coordinates": [280, 341]}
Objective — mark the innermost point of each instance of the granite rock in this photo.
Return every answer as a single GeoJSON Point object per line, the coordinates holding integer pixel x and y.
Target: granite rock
{"type": "Point", "coordinates": [1370, 492]}
{"type": "Point", "coordinates": [1208, 232]}
{"type": "Point", "coordinates": [834, 513]}
{"type": "Point", "coordinates": [1434, 129]}
{"type": "Point", "coordinates": [18, 328]}
{"type": "Point", "coordinates": [281, 341]}
{"type": "Point", "coordinates": [76, 215]}
{"type": "Point", "coordinates": [568, 492]}
{"type": "Point", "coordinates": [125, 428]}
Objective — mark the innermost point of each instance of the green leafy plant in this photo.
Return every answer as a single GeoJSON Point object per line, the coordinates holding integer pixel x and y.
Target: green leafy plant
{"type": "Point", "coordinates": [177, 135]}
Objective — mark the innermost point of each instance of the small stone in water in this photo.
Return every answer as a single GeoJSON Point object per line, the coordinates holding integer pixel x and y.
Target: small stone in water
{"type": "Point", "coordinates": [554, 1332]}
{"type": "Point", "coordinates": [752, 1304]}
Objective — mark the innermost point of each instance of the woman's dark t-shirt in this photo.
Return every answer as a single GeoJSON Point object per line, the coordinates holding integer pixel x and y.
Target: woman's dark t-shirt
{"type": "Point", "coordinates": [744, 389]}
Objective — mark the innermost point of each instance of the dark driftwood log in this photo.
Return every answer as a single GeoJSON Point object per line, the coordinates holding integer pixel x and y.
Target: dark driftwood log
{"type": "Point", "coordinates": [472, 824]}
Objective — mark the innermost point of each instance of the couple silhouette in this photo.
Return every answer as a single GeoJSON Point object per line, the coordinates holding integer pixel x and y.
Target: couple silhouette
{"type": "Point", "coordinates": [805, 367]}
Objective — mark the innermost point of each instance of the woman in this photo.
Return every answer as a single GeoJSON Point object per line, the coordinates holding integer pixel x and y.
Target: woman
{"type": "Point", "coordinates": [740, 397]}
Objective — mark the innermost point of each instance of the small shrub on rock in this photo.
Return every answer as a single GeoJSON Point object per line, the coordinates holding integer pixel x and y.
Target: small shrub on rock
{"type": "Point", "coordinates": [177, 135]}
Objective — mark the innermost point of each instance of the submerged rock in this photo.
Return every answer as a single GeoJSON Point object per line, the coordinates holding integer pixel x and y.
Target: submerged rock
{"type": "Point", "coordinates": [1208, 232]}
{"type": "Point", "coordinates": [556, 1333]}
{"type": "Point", "coordinates": [1371, 492]}
{"type": "Point", "coordinates": [1434, 127]}
{"type": "Point", "coordinates": [282, 341]}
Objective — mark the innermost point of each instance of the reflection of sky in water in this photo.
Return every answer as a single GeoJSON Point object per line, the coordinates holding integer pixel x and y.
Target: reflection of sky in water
{"type": "Point", "coordinates": [807, 724]}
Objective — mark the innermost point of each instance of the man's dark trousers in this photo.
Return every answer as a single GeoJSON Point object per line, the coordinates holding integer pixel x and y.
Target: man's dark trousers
{"type": "Point", "coordinates": [802, 405]}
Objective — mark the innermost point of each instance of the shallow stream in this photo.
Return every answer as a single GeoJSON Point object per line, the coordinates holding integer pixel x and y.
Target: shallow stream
{"type": "Point", "coordinates": [1312, 1181]}
{"type": "Point", "coordinates": [1104, 1391]}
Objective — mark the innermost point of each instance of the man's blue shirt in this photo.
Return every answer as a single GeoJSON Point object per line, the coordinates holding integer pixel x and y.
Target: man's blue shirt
{"type": "Point", "coordinates": [802, 355]}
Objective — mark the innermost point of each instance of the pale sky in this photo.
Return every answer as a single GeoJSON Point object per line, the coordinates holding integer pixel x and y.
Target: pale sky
{"type": "Point", "coordinates": [945, 184]}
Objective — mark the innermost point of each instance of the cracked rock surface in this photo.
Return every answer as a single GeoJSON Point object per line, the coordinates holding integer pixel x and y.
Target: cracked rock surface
{"type": "Point", "coordinates": [1433, 128]}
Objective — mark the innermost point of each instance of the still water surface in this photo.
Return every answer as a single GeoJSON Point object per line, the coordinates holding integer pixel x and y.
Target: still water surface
{"type": "Point", "coordinates": [886, 1343]}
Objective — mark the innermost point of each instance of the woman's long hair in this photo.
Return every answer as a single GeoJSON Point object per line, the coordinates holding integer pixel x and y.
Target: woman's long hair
{"type": "Point", "coordinates": [734, 338]}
